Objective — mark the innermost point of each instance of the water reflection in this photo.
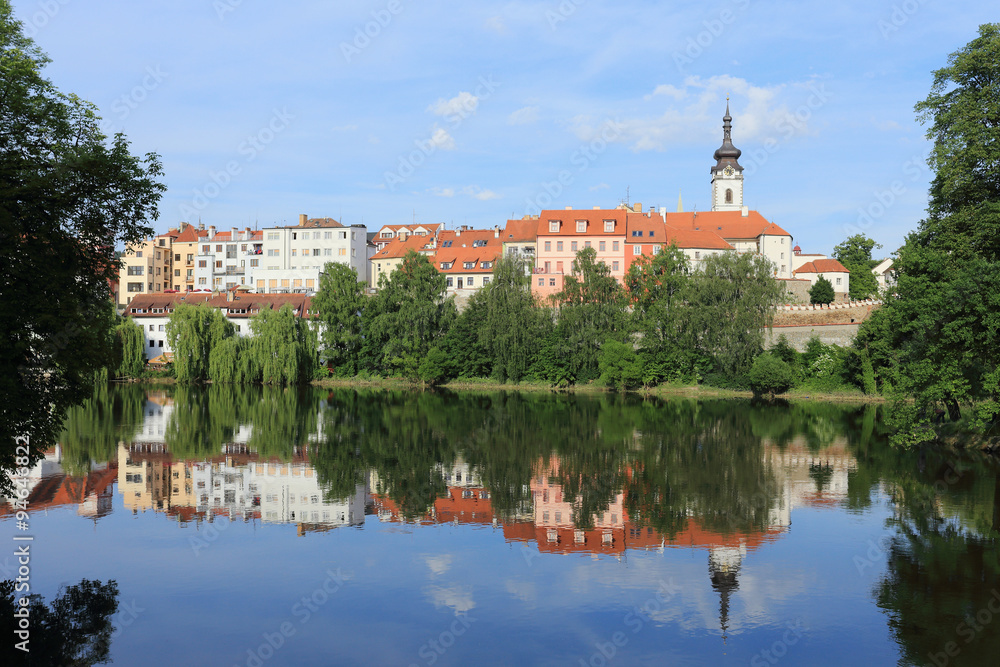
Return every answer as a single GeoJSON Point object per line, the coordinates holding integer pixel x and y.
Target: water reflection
{"type": "Point", "coordinates": [597, 477]}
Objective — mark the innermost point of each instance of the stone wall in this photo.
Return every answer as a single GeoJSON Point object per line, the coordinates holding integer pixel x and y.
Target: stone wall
{"type": "Point", "coordinates": [798, 336]}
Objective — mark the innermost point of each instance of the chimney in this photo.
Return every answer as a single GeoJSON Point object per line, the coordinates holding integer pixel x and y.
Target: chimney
{"type": "Point", "coordinates": [637, 207]}
{"type": "Point", "coordinates": [569, 208]}
{"type": "Point", "coordinates": [496, 232]}
{"type": "Point", "coordinates": [663, 212]}
{"type": "Point", "coordinates": [458, 232]}
{"type": "Point", "coordinates": [745, 211]}
{"type": "Point", "coordinates": [229, 295]}
{"type": "Point", "coordinates": [211, 231]}
{"type": "Point", "coordinates": [236, 233]}
{"type": "Point", "coordinates": [302, 219]}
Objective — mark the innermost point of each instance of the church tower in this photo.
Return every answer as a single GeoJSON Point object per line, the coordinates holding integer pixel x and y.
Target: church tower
{"type": "Point", "coordinates": [727, 174]}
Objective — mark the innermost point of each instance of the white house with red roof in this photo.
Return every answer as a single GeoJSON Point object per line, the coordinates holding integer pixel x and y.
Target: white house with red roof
{"type": "Point", "coordinates": [832, 270]}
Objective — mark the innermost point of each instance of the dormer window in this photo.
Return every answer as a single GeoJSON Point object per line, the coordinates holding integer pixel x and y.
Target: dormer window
{"type": "Point", "coordinates": [581, 225]}
{"type": "Point", "coordinates": [609, 225]}
{"type": "Point", "coordinates": [554, 226]}
{"type": "Point", "coordinates": [469, 265]}
{"type": "Point", "coordinates": [487, 265]}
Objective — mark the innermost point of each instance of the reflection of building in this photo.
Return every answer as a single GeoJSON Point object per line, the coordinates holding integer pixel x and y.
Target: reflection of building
{"type": "Point", "coordinates": [291, 493]}
{"type": "Point", "coordinates": [49, 486]}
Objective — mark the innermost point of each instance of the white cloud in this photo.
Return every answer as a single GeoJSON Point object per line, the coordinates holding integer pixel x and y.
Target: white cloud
{"type": "Point", "coordinates": [441, 139]}
{"type": "Point", "coordinates": [456, 597]}
{"type": "Point", "coordinates": [523, 116]}
{"type": "Point", "coordinates": [442, 192]}
{"type": "Point", "coordinates": [438, 564]}
{"type": "Point", "coordinates": [462, 105]}
{"type": "Point", "coordinates": [495, 23]}
{"type": "Point", "coordinates": [694, 112]}
{"type": "Point", "coordinates": [599, 186]}
{"type": "Point", "coordinates": [479, 193]}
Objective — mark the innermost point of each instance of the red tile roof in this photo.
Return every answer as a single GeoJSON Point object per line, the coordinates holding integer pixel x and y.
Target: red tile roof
{"type": "Point", "coordinates": [595, 222]}
{"type": "Point", "coordinates": [822, 266]}
{"type": "Point", "coordinates": [727, 224]}
{"type": "Point", "coordinates": [397, 248]}
{"type": "Point", "coordinates": [520, 231]}
{"type": "Point", "coordinates": [471, 246]}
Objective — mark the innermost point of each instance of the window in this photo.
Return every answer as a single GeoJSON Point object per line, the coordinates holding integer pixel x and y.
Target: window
{"type": "Point", "coordinates": [295, 252]}
{"type": "Point", "coordinates": [541, 282]}
{"type": "Point", "coordinates": [471, 280]}
{"type": "Point", "coordinates": [254, 262]}
{"type": "Point", "coordinates": [559, 267]}
{"type": "Point", "coordinates": [586, 244]}
{"type": "Point", "coordinates": [273, 252]}
{"type": "Point", "coordinates": [656, 250]}
{"type": "Point", "coordinates": [486, 281]}
{"type": "Point", "coordinates": [205, 249]}
{"type": "Point", "coordinates": [297, 282]}
{"type": "Point", "coordinates": [697, 254]}
{"type": "Point", "coordinates": [469, 265]}
{"type": "Point", "coordinates": [272, 283]}
{"type": "Point", "coordinates": [554, 226]}
{"type": "Point", "coordinates": [329, 251]}
{"type": "Point", "coordinates": [310, 283]}
{"type": "Point", "coordinates": [782, 268]}
{"type": "Point", "coordinates": [636, 232]}
{"type": "Point", "coordinates": [190, 258]}
{"type": "Point", "coordinates": [315, 235]}
{"type": "Point", "coordinates": [271, 236]}
{"type": "Point", "coordinates": [729, 196]}
{"type": "Point", "coordinates": [327, 235]}
{"type": "Point", "coordinates": [637, 249]}
{"type": "Point", "coordinates": [260, 284]}
{"type": "Point", "coordinates": [284, 282]}
{"type": "Point", "coordinates": [135, 270]}
{"type": "Point", "coordinates": [559, 246]}
{"type": "Point", "coordinates": [548, 267]}
{"type": "Point", "coordinates": [152, 343]}
{"type": "Point", "coordinates": [295, 236]}
{"type": "Point", "coordinates": [202, 281]}
{"type": "Point", "coordinates": [341, 252]}
{"type": "Point", "coordinates": [138, 254]}
{"type": "Point", "coordinates": [177, 258]}
{"type": "Point", "coordinates": [838, 281]}
{"type": "Point", "coordinates": [574, 246]}
{"type": "Point", "coordinates": [548, 246]}
{"type": "Point", "coordinates": [486, 265]}
{"type": "Point", "coordinates": [614, 266]}
{"type": "Point", "coordinates": [602, 246]}
{"type": "Point", "coordinates": [177, 272]}
{"type": "Point", "coordinates": [450, 282]}
{"type": "Point", "coordinates": [782, 255]}
{"type": "Point", "coordinates": [162, 327]}
{"type": "Point", "coordinates": [316, 250]}
{"type": "Point", "coordinates": [614, 246]}
{"type": "Point", "coordinates": [609, 225]}
{"type": "Point", "coordinates": [552, 282]}
{"type": "Point", "coordinates": [218, 265]}
{"type": "Point", "coordinates": [218, 248]}
{"type": "Point", "coordinates": [150, 327]}
{"type": "Point", "coordinates": [581, 225]}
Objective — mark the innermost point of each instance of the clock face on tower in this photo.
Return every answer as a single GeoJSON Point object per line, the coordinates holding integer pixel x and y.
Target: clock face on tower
{"type": "Point", "coordinates": [728, 171]}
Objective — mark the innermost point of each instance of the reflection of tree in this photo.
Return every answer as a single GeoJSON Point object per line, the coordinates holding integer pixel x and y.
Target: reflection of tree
{"type": "Point", "coordinates": [75, 629]}
{"type": "Point", "coordinates": [91, 431]}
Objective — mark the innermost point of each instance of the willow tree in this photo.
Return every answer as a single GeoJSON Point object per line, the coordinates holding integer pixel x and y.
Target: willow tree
{"type": "Point", "coordinates": [131, 344]}
{"type": "Point", "coordinates": [281, 346]}
{"type": "Point", "coordinates": [193, 330]}
{"type": "Point", "coordinates": [231, 361]}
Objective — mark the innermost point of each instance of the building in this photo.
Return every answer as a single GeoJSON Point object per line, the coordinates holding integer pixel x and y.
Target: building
{"type": "Point", "coordinates": [386, 260]}
{"type": "Point", "coordinates": [225, 260]}
{"type": "Point", "coordinates": [292, 258]}
{"type": "Point", "coordinates": [832, 270]}
{"type": "Point", "coordinates": [466, 257]}
{"type": "Point", "coordinates": [520, 238]}
{"type": "Point", "coordinates": [885, 274]}
{"type": "Point", "coordinates": [390, 233]}
{"type": "Point", "coordinates": [562, 234]}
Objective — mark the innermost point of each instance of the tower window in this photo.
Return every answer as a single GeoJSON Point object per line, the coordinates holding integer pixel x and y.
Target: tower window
{"type": "Point", "coordinates": [729, 196]}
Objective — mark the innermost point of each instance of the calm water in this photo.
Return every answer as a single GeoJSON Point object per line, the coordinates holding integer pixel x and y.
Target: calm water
{"type": "Point", "coordinates": [268, 527]}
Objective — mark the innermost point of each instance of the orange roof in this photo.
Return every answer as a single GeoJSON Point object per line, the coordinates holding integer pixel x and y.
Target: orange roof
{"type": "Point", "coordinates": [317, 222]}
{"type": "Point", "coordinates": [473, 246]}
{"type": "Point", "coordinates": [190, 234]}
{"type": "Point", "coordinates": [727, 224]}
{"type": "Point", "coordinates": [822, 266]}
{"type": "Point", "coordinates": [595, 222]}
{"type": "Point", "coordinates": [689, 238]}
{"type": "Point", "coordinates": [397, 248]}
{"type": "Point", "coordinates": [520, 231]}
{"type": "Point", "coordinates": [431, 228]}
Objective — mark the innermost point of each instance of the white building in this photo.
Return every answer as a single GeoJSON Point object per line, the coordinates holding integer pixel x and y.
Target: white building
{"type": "Point", "coordinates": [292, 258]}
{"type": "Point", "coordinates": [227, 259]}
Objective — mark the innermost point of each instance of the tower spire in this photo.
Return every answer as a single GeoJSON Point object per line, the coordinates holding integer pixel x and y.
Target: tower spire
{"type": "Point", "coordinates": [727, 173]}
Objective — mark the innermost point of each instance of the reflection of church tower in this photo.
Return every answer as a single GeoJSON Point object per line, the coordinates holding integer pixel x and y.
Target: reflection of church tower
{"type": "Point", "coordinates": [727, 174]}
{"type": "Point", "coordinates": [723, 568]}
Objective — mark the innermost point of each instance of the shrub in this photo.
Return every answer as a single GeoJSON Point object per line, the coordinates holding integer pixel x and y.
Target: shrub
{"type": "Point", "coordinates": [769, 375]}
{"type": "Point", "coordinates": [821, 292]}
{"type": "Point", "coordinates": [620, 366]}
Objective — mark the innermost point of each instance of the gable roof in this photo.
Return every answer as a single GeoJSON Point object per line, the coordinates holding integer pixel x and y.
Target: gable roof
{"type": "Point", "coordinates": [727, 224]}
{"type": "Point", "coordinates": [595, 221]}
{"type": "Point", "coordinates": [524, 230]}
{"type": "Point", "coordinates": [822, 266]}
{"type": "Point", "coordinates": [396, 247]}
{"type": "Point", "coordinates": [471, 245]}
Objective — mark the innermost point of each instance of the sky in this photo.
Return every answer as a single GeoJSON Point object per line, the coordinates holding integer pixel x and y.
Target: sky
{"type": "Point", "coordinates": [392, 112]}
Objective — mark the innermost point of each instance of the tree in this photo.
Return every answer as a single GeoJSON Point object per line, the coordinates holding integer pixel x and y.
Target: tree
{"type": "Point", "coordinates": [856, 255]}
{"type": "Point", "coordinates": [769, 376]}
{"type": "Point", "coordinates": [591, 311]}
{"type": "Point", "coordinates": [340, 303]}
{"type": "Point", "coordinates": [938, 337]}
{"type": "Point", "coordinates": [822, 292]}
{"type": "Point", "coordinates": [68, 196]}
{"type": "Point", "coordinates": [193, 330]}
{"type": "Point", "coordinates": [131, 346]}
{"type": "Point", "coordinates": [280, 346]}
{"type": "Point", "coordinates": [513, 320]}
{"type": "Point", "coordinates": [732, 300]}
{"type": "Point", "coordinates": [405, 318]}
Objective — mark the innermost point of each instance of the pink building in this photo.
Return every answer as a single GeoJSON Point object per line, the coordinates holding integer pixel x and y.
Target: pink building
{"type": "Point", "coordinates": [562, 234]}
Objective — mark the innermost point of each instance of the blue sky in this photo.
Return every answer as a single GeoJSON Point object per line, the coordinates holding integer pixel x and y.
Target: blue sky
{"type": "Point", "coordinates": [388, 111]}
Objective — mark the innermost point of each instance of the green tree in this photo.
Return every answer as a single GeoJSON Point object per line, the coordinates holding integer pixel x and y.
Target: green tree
{"type": "Point", "coordinates": [280, 346]}
{"type": "Point", "coordinates": [340, 303]}
{"type": "Point", "coordinates": [770, 375]}
{"type": "Point", "coordinates": [591, 310]}
{"type": "Point", "coordinates": [512, 325]}
{"type": "Point", "coordinates": [620, 366]}
{"type": "Point", "coordinates": [822, 292]}
{"type": "Point", "coordinates": [937, 337]}
{"type": "Point", "coordinates": [68, 196]}
{"type": "Point", "coordinates": [732, 300]}
{"type": "Point", "coordinates": [132, 350]}
{"type": "Point", "coordinates": [856, 255]}
{"type": "Point", "coordinates": [406, 317]}
{"type": "Point", "coordinates": [193, 330]}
